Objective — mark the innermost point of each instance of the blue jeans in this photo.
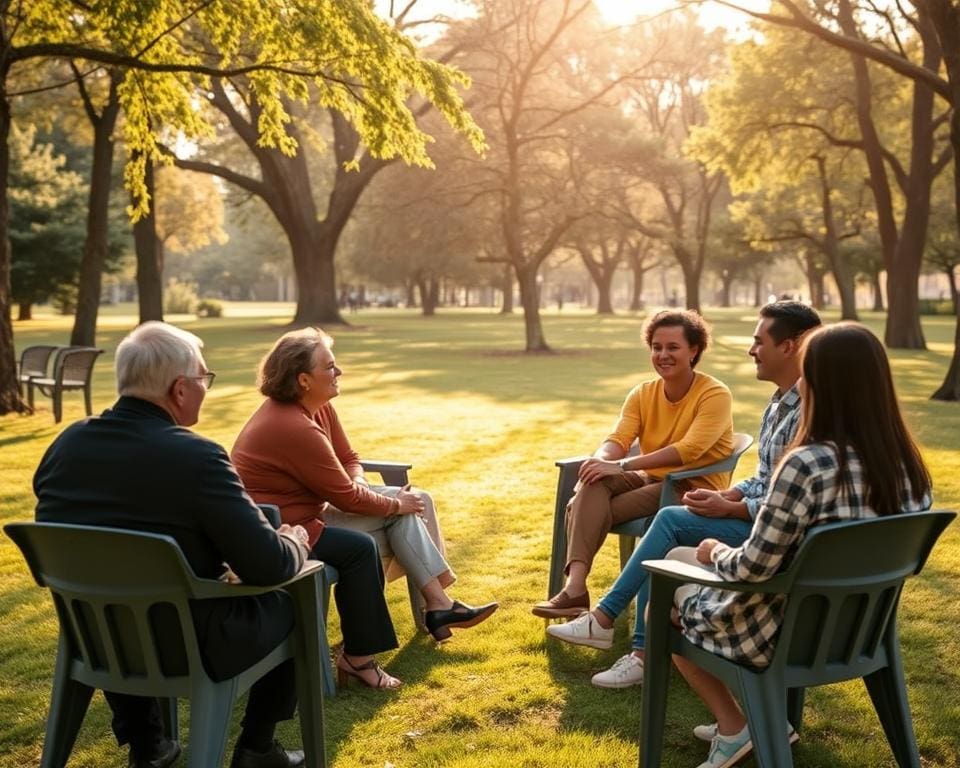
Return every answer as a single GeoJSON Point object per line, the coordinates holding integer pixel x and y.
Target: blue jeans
{"type": "Point", "coordinates": [672, 527]}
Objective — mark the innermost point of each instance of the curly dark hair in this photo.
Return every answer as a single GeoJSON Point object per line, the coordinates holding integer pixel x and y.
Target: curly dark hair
{"type": "Point", "coordinates": [291, 355]}
{"type": "Point", "coordinates": [695, 329]}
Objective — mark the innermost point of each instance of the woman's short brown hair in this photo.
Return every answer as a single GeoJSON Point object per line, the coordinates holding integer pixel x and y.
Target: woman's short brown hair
{"type": "Point", "coordinates": [292, 354]}
{"type": "Point", "coordinates": [695, 329]}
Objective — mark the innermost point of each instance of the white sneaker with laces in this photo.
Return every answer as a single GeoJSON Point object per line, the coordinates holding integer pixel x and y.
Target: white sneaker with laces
{"type": "Point", "coordinates": [707, 732]}
{"type": "Point", "coordinates": [726, 751]}
{"type": "Point", "coordinates": [583, 630]}
{"type": "Point", "coordinates": [626, 671]}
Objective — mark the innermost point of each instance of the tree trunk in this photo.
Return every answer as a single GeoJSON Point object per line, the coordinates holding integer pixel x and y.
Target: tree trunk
{"type": "Point", "coordinates": [10, 401]}
{"type": "Point", "coordinates": [727, 284]}
{"type": "Point", "coordinates": [691, 284]}
{"type": "Point", "coordinates": [950, 389]}
{"type": "Point", "coordinates": [948, 24]}
{"type": "Point", "coordinates": [530, 300]}
{"type": "Point", "coordinates": [877, 291]}
{"type": "Point", "coordinates": [846, 286]}
{"type": "Point", "coordinates": [313, 249]}
{"type": "Point", "coordinates": [814, 283]}
{"type": "Point", "coordinates": [758, 297]}
{"type": "Point", "coordinates": [149, 267]}
{"type": "Point", "coordinates": [97, 240]}
{"type": "Point", "coordinates": [411, 287]}
{"type": "Point", "coordinates": [903, 304]}
{"type": "Point", "coordinates": [429, 290]}
{"type": "Point", "coordinates": [25, 311]}
{"type": "Point", "coordinates": [636, 296]}
{"type": "Point", "coordinates": [952, 282]}
{"type": "Point", "coordinates": [507, 290]}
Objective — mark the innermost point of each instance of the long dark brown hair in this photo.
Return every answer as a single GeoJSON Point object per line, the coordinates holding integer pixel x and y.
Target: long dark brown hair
{"type": "Point", "coordinates": [850, 401]}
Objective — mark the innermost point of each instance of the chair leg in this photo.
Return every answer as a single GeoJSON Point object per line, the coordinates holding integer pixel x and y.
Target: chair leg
{"type": "Point", "coordinates": [558, 557]}
{"type": "Point", "coordinates": [417, 606]}
{"type": "Point", "coordinates": [764, 700]}
{"type": "Point", "coordinates": [171, 722]}
{"type": "Point", "coordinates": [627, 545]}
{"type": "Point", "coordinates": [656, 678]}
{"type": "Point", "coordinates": [329, 679]}
{"type": "Point", "coordinates": [889, 695]}
{"type": "Point", "coordinates": [30, 396]}
{"type": "Point", "coordinates": [88, 400]}
{"type": "Point", "coordinates": [68, 705]}
{"type": "Point", "coordinates": [57, 405]}
{"type": "Point", "coordinates": [795, 697]}
{"type": "Point", "coordinates": [312, 659]}
{"type": "Point", "coordinates": [211, 705]}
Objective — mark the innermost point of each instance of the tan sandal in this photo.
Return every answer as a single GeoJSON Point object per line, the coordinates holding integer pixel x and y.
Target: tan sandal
{"type": "Point", "coordinates": [344, 673]}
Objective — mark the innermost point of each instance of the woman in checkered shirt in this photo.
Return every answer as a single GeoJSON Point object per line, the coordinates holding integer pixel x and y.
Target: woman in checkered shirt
{"type": "Point", "coordinates": [852, 458]}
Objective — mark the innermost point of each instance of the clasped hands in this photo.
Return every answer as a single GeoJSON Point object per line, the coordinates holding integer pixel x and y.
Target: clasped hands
{"type": "Point", "coordinates": [594, 469]}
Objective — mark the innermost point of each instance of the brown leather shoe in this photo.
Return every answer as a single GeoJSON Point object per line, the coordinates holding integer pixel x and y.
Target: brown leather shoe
{"type": "Point", "coordinates": [562, 605]}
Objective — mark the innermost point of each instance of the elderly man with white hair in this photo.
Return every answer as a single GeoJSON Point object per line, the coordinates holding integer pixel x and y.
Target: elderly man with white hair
{"type": "Point", "coordinates": [137, 466]}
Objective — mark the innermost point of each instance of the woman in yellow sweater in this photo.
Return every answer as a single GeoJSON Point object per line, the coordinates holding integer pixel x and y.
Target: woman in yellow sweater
{"type": "Point", "coordinates": [681, 419]}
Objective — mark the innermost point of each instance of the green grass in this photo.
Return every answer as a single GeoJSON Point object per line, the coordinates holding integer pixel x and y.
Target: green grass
{"type": "Point", "coordinates": [483, 425]}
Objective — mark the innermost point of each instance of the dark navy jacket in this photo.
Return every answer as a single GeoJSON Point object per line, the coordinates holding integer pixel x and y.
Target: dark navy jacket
{"type": "Point", "coordinates": [132, 467]}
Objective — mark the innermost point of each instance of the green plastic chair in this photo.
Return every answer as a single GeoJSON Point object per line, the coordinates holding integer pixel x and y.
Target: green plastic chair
{"type": "Point", "coordinates": [843, 590]}
{"type": "Point", "coordinates": [109, 605]}
{"type": "Point", "coordinates": [631, 530]}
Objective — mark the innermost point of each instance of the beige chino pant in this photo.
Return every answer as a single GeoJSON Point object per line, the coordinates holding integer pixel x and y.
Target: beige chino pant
{"type": "Point", "coordinates": [597, 507]}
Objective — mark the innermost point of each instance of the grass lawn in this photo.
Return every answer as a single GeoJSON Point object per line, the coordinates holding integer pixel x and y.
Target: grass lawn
{"type": "Point", "coordinates": [482, 425]}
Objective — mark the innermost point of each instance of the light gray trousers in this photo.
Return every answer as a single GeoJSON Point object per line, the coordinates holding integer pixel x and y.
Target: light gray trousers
{"type": "Point", "coordinates": [409, 544]}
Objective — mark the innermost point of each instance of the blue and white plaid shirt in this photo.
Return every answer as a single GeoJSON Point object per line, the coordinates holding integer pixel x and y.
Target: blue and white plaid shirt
{"type": "Point", "coordinates": [806, 491]}
{"type": "Point", "coordinates": [777, 428]}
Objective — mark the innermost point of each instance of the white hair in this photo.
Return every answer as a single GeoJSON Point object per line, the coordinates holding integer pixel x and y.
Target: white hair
{"type": "Point", "coordinates": [152, 356]}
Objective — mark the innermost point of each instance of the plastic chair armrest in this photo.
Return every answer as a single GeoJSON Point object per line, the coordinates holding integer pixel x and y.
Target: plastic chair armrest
{"type": "Point", "coordinates": [203, 589]}
{"type": "Point", "coordinates": [725, 465]}
{"type": "Point", "coordinates": [685, 573]}
{"type": "Point", "coordinates": [392, 472]}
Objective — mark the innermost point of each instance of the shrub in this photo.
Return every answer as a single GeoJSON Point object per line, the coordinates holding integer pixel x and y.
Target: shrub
{"type": "Point", "coordinates": [64, 299]}
{"type": "Point", "coordinates": [210, 308]}
{"type": "Point", "coordinates": [179, 298]}
{"type": "Point", "coordinates": [936, 307]}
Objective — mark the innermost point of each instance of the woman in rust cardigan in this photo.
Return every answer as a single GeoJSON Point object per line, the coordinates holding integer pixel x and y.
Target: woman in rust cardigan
{"type": "Point", "coordinates": [294, 453]}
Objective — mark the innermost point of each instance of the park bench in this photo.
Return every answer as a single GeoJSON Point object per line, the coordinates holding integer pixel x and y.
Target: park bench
{"type": "Point", "coordinates": [72, 370]}
{"type": "Point", "coordinates": [33, 363]}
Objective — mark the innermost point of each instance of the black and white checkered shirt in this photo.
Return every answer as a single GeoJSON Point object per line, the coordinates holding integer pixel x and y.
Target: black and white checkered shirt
{"type": "Point", "coordinates": [805, 491]}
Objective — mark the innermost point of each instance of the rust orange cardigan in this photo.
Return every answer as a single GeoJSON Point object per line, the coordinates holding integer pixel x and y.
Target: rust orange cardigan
{"type": "Point", "coordinates": [301, 462]}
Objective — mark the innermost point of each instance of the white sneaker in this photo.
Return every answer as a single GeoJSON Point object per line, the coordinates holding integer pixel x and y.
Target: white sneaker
{"type": "Point", "coordinates": [728, 750]}
{"type": "Point", "coordinates": [583, 630]}
{"type": "Point", "coordinates": [707, 732]}
{"type": "Point", "coordinates": [626, 671]}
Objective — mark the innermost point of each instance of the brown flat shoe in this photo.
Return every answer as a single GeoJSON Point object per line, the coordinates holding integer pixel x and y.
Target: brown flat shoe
{"type": "Point", "coordinates": [562, 605]}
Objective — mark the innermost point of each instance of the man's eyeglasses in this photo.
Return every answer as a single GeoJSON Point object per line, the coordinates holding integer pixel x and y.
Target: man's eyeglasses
{"type": "Point", "coordinates": [206, 379]}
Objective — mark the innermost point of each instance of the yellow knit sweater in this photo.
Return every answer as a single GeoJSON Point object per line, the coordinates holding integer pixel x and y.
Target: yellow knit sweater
{"type": "Point", "coordinates": [699, 426]}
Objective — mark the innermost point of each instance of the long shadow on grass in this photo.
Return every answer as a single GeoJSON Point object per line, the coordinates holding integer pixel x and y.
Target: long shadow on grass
{"type": "Point", "coordinates": [834, 715]}
{"type": "Point", "coordinates": [413, 663]}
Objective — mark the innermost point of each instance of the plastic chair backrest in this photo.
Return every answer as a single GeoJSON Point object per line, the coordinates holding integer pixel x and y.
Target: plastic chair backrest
{"type": "Point", "coordinates": [34, 360]}
{"type": "Point", "coordinates": [75, 364]}
{"type": "Point", "coordinates": [847, 579]}
{"type": "Point", "coordinates": [122, 600]}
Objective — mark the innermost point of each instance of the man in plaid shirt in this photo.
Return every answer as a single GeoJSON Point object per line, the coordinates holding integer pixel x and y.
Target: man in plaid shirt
{"type": "Point", "coordinates": [724, 515]}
